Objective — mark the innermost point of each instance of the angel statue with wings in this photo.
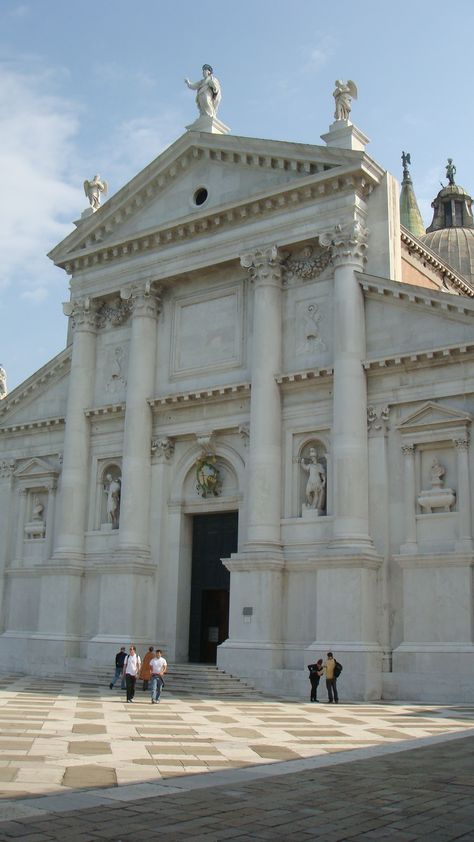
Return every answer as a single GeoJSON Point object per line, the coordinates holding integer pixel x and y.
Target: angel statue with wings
{"type": "Point", "coordinates": [93, 189]}
{"type": "Point", "coordinates": [344, 93]}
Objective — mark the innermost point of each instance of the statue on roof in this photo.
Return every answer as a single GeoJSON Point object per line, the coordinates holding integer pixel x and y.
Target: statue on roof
{"type": "Point", "coordinates": [450, 171]}
{"type": "Point", "coordinates": [93, 190]}
{"type": "Point", "coordinates": [208, 94]}
{"type": "Point", "coordinates": [3, 382]}
{"type": "Point", "coordinates": [405, 161]}
{"type": "Point", "coordinates": [343, 94]}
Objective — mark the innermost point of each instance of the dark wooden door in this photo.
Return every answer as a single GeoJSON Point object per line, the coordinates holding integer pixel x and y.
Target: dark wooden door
{"type": "Point", "coordinates": [214, 537]}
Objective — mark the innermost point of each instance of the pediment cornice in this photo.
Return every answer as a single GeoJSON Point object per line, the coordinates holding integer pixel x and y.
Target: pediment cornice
{"type": "Point", "coordinates": [54, 369]}
{"type": "Point", "coordinates": [442, 302]}
{"type": "Point", "coordinates": [318, 172]}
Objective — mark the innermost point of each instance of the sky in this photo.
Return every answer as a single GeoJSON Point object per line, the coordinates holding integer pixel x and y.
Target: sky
{"type": "Point", "coordinates": [98, 87]}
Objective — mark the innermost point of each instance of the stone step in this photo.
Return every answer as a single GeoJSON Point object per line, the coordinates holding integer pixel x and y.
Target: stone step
{"type": "Point", "coordinates": [181, 679]}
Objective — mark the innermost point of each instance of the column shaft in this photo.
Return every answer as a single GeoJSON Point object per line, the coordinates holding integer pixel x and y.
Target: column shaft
{"type": "Point", "coordinates": [350, 451]}
{"type": "Point", "coordinates": [136, 465]}
{"type": "Point", "coordinates": [73, 498]}
{"type": "Point", "coordinates": [464, 495]}
{"type": "Point", "coordinates": [264, 465]}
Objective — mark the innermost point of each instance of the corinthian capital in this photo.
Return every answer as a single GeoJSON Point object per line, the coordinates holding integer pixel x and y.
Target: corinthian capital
{"type": "Point", "coordinates": [83, 313]}
{"type": "Point", "coordinates": [348, 244]}
{"type": "Point", "coordinates": [264, 265]}
{"type": "Point", "coordinates": [144, 299]}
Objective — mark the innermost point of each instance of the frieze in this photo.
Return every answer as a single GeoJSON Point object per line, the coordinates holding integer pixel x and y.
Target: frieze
{"type": "Point", "coordinates": [377, 419]}
{"type": "Point", "coordinates": [7, 468]}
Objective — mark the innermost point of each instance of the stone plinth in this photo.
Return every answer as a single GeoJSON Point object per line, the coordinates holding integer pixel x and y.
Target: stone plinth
{"type": "Point", "coordinates": [208, 124]}
{"type": "Point", "coordinates": [343, 134]}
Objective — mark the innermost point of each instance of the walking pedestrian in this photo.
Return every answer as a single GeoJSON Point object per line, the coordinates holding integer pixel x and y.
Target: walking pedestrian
{"type": "Point", "coordinates": [119, 662]}
{"type": "Point", "coordinates": [158, 668]}
{"type": "Point", "coordinates": [145, 672]}
{"type": "Point", "coordinates": [131, 669]}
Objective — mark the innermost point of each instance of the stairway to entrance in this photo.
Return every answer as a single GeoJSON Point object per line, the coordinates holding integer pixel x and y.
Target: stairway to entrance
{"type": "Point", "coordinates": [201, 680]}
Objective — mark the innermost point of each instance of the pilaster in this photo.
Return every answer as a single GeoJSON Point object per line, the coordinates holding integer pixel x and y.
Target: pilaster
{"type": "Point", "coordinates": [464, 542]}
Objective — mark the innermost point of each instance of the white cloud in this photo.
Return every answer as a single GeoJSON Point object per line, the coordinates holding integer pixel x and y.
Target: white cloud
{"type": "Point", "coordinates": [137, 142]}
{"type": "Point", "coordinates": [320, 53]}
{"type": "Point", "coordinates": [36, 145]}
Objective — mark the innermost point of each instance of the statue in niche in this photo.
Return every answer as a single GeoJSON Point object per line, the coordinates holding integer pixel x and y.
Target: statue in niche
{"type": "Point", "coordinates": [208, 89]}
{"type": "Point", "coordinates": [438, 496]}
{"type": "Point", "coordinates": [343, 95]}
{"type": "Point", "coordinates": [93, 190]}
{"type": "Point", "coordinates": [315, 493]}
{"type": "Point", "coordinates": [437, 474]}
{"type": "Point", "coordinates": [112, 488]}
{"type": "Point", "coordinates": [38, 509]}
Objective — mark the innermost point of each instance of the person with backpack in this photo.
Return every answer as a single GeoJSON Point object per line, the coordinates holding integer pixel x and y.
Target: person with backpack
{"type": "Point", "coordinates": [332, 669]}
{"type": "Point", "coordinates": [131, 669]}
{"type": "Point", "coordinates": [315, 673]}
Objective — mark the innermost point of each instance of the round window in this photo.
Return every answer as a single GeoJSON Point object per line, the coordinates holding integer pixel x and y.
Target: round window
{"type": "Point", "coordinates": [200, 196]}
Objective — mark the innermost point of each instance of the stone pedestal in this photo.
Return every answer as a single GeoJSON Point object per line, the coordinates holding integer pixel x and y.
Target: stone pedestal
{"type": "Point", "coordinates": [343, 134]}
{"type": "Point", "coordinates": [208, 124]}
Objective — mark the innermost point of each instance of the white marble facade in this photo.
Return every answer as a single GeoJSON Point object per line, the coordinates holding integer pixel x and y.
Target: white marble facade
{"type": "Point", "coordinates": [253, 328]}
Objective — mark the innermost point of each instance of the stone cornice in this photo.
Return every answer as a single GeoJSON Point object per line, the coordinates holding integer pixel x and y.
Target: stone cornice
{"type": "Point", "coordinates": [100, 249]}
{"type": "Point", "coordinates": [39, 424]}
{"type": "Point", "coordinates": [199, 395]}
{"type": "Point", "coordinates": [443, 302]}
{"type": "Point", "coordinates": [306, 374]}
{"type": "Point", "coordinates": [430, 356]}
{"type": "Point", "coordinates": [413, 245]}
{"type": "Point", "coordinates": [48, 372]}
{"type": "Point", "coordinates": [435, 560]}
{"type": "Point", "coordinates": [110, 409]}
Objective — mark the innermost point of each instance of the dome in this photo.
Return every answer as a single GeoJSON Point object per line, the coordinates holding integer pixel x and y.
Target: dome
{"type": "Point", "coordinates": [451, 233]}
{"type": "Point", "coordinates": [456, 247]}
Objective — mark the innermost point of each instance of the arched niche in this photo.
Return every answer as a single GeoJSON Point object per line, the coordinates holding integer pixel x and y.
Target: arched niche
{"type": "Point", "coordinates": [313, 476]}
{"type": "Point", "coordinates": [109, 490]}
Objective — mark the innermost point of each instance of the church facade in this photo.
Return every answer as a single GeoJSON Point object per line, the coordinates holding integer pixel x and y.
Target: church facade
{"type": "Point", "coordinates": [255, 446]}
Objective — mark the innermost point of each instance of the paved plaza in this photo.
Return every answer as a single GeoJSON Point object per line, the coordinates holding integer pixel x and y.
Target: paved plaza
{"type": "Point", "coordinates": [77, 763]}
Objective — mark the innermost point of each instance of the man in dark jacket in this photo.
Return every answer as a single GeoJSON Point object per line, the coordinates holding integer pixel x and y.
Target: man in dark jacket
{"type": "Point", "coordinates": [119, 662]}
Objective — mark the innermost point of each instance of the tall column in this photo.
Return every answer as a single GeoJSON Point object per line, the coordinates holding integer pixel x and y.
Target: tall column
{"type": "Point", "coordinates": [264, 458]}
{"type": "Point", "coordinates": [73, 502]}
{"type": "Point", "coordinates": [256, 582]}
{"type": "Point", "coordinates": [136, 464]}
{"type": "Point", "coordinates": [410, 545]}
{"type": "Point", "coordinates": [20, 535]}
{"type": "Point", "coordinates": [350, 452]}
{"type": "Point", "coordinates": [464, 543]}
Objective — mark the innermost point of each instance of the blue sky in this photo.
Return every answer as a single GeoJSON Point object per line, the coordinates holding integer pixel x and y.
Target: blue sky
{"type": "Point", "coordinates": [97, 86]}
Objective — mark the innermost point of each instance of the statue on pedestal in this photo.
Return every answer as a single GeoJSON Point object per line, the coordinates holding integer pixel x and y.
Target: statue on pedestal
{"type": "Point", "coordinates": [343, 95]}
{"type": "Point", "coordinates": [315, 493]}
{"type": "Point", "coordinates": [93, 189]}
{"type": "Point", "coordinates": [208, 89]}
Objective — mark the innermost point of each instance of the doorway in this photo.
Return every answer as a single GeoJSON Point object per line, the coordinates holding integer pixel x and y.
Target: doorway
{"type": "Point", "coordinates": [214, 537]}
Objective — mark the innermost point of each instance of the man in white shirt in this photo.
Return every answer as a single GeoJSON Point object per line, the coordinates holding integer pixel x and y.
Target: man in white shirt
{"type": "Point", "coordinates": [131, 668]}
{"type": "Point", "coordinates": [158, 668]}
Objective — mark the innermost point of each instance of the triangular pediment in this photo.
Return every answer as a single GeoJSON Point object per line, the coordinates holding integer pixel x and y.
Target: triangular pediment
{"type": "Point", "coordinates": [433, 415]}
{"type": "Point", "coordinates": [36, 468]}
{"type": "Point", "coordinates": [41, 397]}
{"type": "Point", "coordinates": [160, 203]}
{"type": "Point", "coordinates": [405, 319]}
